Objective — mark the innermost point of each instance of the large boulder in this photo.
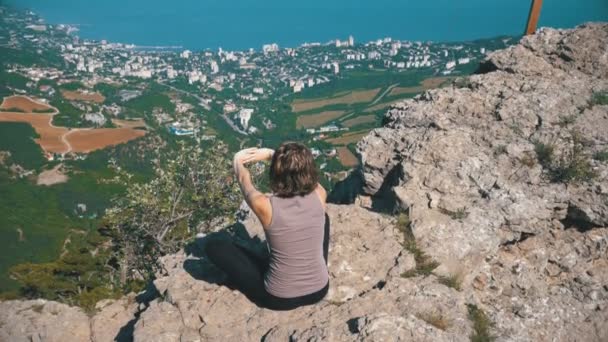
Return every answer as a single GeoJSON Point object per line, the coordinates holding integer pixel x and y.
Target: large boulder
{"type": "Point", "coordinates": [467, 163]}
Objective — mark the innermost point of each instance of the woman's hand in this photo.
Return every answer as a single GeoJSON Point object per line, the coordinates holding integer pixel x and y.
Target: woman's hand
{"type": "Point", "coordinates": [242, 157]}
{"type": "Point", "coordinates": [252, 155]}
{"type": "Point", "coordinates": [262, 154]}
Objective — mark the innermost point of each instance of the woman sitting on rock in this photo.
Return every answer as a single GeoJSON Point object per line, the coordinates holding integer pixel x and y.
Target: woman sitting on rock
{"type": "Point", "coordinates": [296, 229]}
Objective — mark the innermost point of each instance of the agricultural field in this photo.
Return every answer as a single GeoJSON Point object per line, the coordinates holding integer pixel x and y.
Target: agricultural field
{"type": "Point", "coordinates": [133, 123]}
{"type": "Point", "coordinates": [82, 96]}
{"type": "Point", "coordinates": [359, 120]}
{"type": "Point", "coordinates": [87, 140]}
{"type": "Point", "coordinates": [23, 104]}
{"type": "Point", "coordinates": [60, 139]}
{"type": "Point", "coordinates": [357, 96]}
{"type": "Point", "coordinates": [347, 138]}
{"type": "Point", "coordinates": [316, 120]}
{"type": "Point", "coordinates": [429, 83]}
{"type": "Point", "coordinates": [346, 157]}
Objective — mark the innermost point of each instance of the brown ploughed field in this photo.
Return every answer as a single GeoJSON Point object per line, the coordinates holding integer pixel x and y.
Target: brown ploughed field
{"type": "Point", "coordinates": [347, 158]}
{"type": "Point", "coordinates": [61, 139]}
{"type": "Point", "coordinates": [50, 136]}
{"type": "Point", "coordinates": [316, 120]}
{"type": "Point", "coordinates": [87, 140]}
{"type": "Point", "coordinates": [23, 103]}
{"type": "Point", "coordinates": [350, 98]}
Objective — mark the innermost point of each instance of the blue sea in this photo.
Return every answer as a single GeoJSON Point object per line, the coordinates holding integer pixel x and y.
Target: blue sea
{"type": "Point", "coordinates": [241, 24]}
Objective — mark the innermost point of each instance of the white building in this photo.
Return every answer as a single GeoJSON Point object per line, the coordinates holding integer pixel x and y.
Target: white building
{"type": "Point", "coordinates": [214, 67]}
{"type": "Point", "coordinates": [298, 86]}
{"type": "Point", "coordinates": [351, 41]}
{"type": "Point", "coordinates": [464, 60]}
{"type": "Point", "coordinates": [268, 48]}
{"type": "Point", "coordinates": [450, 65]}
{"type": "Point", "coordinates": [373, 55]}
{"type": "Point", "coordinates": [336, 67]}
{"type": "Point", "coordinates": [245, 116]}
{"type": "Point", "coordinates": [186, 54]}
{"type": "Point", "coordinates": [258, 90]}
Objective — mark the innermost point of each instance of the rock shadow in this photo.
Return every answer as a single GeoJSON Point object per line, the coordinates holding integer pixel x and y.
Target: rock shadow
{"type": "Point", "coordinates": [201, 268]}
{"type": "Point", "coordinates": [347, 190]}
{"type": "Point", "coordinates": [150, 293]}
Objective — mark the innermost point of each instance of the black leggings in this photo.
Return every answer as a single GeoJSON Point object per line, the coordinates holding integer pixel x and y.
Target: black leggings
{"type": "Point", "coordinates": [246, 271]}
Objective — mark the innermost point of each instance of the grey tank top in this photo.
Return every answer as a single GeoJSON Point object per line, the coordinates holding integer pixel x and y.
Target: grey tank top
{"type": "Point", "coordinates": [295, 237]}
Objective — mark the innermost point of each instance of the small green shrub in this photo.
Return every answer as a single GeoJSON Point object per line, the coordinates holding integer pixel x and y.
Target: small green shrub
{"type": "Point", "coordinates": [459, 214]}
{"type": "Point", "coordinates": [599, 98]}
{"type": "Point", "coordinates": [544, 153]}
{"type": "Point", "coordinates": [424, 263]}
{"type": "Point", "coordinates": [500, 149]}
{"type": "Point", "coordinates": [481, 324]}
{"type": "Point", "coordinates": [601, 156]}
{"type": "Point", "coordinates": [574, 164]}
{"type": "Point", "coordinates": [566, 120]}
{"type": "Point", "coordinates": [454, 281]}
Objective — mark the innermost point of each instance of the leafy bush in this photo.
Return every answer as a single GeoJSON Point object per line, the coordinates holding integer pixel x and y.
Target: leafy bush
{"type": "Point", "coordinates": [601, 156]}
{"type": "Point", "coordinates": [190, 192]}
{"type": "Point", "coordinates": [481, 324]}
{"type": "Point", "coordinates": [459, 214]}
{"type": "Point", "coordinates": [544, 153]}
{"type": "Point", "coordinates": [599, 98]}
{"type": "Point", "coordinates": [454, 281]}
{"type": "Point", "coordinates": [573, 164]}
{"type": "Point", "coordinates": [424, 263]}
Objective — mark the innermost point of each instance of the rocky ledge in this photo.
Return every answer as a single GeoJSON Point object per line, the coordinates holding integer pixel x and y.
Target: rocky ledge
{"type": "Point", "coordinates": [502, 199]}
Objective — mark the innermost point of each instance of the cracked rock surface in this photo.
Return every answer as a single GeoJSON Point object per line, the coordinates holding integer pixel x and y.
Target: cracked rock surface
{"type": "Point", "coordinates": [529, 251]}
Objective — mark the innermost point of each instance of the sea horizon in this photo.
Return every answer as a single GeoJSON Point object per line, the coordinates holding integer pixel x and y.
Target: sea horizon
{"type": "Point", "coordinates": [240, 25]}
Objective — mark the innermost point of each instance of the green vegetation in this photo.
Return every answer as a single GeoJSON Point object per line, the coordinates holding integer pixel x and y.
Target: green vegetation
{"type": "Point", "coordinates": [601, 156]}
{"type": "Point", "coordinates": [13, 109]}
{"type": "Point", "coordinates": [73, 86]}
{"type": "Point", "coordinates": [454, 281]}
{"type": "Point", "coordinates": [573, 165]}
{"type": "Point", "coordinates": [18, 139]}
{"type": "Point", "coordinates": [458, 214]}
{"type": "Point", "coordinates": [146, 103]}
{"type": "Point", "coordinates": [544, 153]}
{"type": "Point", "coordinates": [10, 79]}
{"type": "Point", "coordinates": [158, 217]}
{"type": "Point", "coordinates": [424, 263]}
{"type": "Point", "coordinates": [68, 116]}
{"type": "Point", "coordinates": [599, 98]}
{"type": "Point", "coordinates": [78, 277]}
{"type": "Point", "coordinates": [43, 111]}
{"type": "Point", "coordinates": [481, 324]}
{"type": "Point", "coordinates": [35, 220]}
{"type": "Point", "coordinates": [499, 150]}
{"type": "Point", "coordinates": [566, 120]}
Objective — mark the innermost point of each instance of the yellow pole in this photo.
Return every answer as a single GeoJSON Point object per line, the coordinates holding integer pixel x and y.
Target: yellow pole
{"type": "Point", "coordinates": [534, 15]}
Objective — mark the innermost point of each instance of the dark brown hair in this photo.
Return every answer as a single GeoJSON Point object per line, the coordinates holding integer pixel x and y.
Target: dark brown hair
{"type": "Point", "coordinates": [293, 170]}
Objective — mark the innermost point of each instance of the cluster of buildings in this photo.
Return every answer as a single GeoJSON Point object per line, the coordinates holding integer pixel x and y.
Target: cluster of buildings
{"type": "Point", "coordinates": [240, 84]}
